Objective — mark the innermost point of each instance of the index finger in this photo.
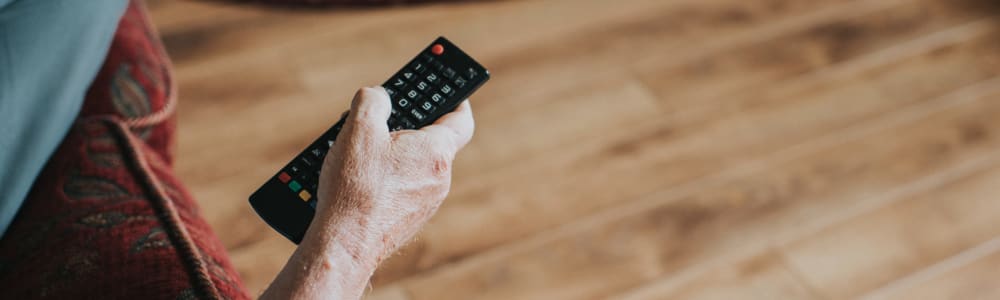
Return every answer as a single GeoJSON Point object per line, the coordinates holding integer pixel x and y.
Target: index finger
{"type": "Point", "coordinates": [456, 126]}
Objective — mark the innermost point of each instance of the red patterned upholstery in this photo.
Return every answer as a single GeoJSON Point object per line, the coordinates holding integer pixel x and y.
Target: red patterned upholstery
{"type": "Point", "coordinates": [106, 218]}
{"type": "Point", "coordinates": [345, 2]}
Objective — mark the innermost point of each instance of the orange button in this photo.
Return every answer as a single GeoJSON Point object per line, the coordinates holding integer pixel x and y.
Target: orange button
{"type": "Point", "coordinates": [437, 49]}
{"type": "Point", "coordinates": [305, 195]}
{"type": "Point", "coordinates": [284, 177]}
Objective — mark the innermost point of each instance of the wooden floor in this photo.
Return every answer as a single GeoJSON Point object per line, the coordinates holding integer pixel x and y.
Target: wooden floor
{"type": "Point", "coordinates": [635, 149]}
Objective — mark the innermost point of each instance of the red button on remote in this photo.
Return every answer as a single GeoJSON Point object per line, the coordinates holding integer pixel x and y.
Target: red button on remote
{"type": "Point", "coordinates": [284, 177]}
{"type": "Point", "coordinates": [437, 49]}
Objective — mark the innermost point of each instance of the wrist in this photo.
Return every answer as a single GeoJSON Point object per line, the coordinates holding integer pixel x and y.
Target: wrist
{"type": "Point", "coordinates": [327, 265]}
{"type": "Point", "coordinates": [343, 230]}
{"type": "Point", "coordinates": [323, 266]}
{"type": "Point", "coordinates": [341, 251]}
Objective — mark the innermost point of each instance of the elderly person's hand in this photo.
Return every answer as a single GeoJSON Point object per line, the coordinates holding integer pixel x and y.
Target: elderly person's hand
{"type": "Point", "coordinates": [377, 189]}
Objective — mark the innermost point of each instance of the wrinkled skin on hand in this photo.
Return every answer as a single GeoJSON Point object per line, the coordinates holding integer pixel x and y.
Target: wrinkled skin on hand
{"type": "Point", "coordinates": [379, 188]}
{"type": "Point", "coordinates": [376, 190]}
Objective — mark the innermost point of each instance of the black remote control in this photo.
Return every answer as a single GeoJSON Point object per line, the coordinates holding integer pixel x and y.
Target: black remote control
{"type": "Point", "coordinates": [431, 85]}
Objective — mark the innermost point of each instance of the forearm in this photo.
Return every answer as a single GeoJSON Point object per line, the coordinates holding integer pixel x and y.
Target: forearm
{"type": "Point", "coordinates": [330, 263]}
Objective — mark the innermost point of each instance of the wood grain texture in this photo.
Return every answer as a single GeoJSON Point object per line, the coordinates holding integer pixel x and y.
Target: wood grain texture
{"type": "Point", "coordinates": [971, 274]}
{"type": "Point", "coordinates": [876, 248]}
{"type": "Point", "coordinates": [642, 149]}
{"type": "Point", "coordinates": [902, 234]}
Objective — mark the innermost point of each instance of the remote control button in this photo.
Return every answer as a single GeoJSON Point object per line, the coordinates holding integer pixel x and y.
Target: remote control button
{"type": "Point", "coordinates": [318, 153]}
{"type": "Point", "coordinates": [460, 82]}
{"type": "Point", "coordinates": [389, 91]}
{"type": "Point", "coordinates": [413, 95]}
{"type": "Point", "coordinates": [403, 103]}
{"type": "Point", "coordinates": [393, 114]}
{"type": "Point", "coordinates": [447, 90]}
{"type": "Point", "coordinates": [399, 84]}
{"type": "Point", "coordinates": [471, 73]}
{"type": "Point", "coordinates": [448, 73]}
{"type": "Point", "coordinates": [307, 161]}
{"type": "Point", "coordinates": [397, 127]}
{"type": "Point", "coordinates": [433, 78]}
{"type": "Point", "coordinates": [437, 98]}
{"type": "Point", "coordinates": [428, 107]}
{"type": "Point", "coordinates": [295, 186]}
{"type": "Point", "coordinates": [425, 57]}
{"type": "Point", "coordinates": [423, 86]}
{"type": "Point", "coordinates": [437, 65]}
{"type": "Point", "coordinates": [305, 195]}
{"type": "Point", "coordinates": [409, 75]}
{"type": "Point", "coordinates": [437, 49]}
{"type": "Point", "coordinates": [418, 115]}
{"type": "Point", "coordinates": [409, 124]}
{"type": "Point", "coordinates": [329, 143]}
{"type": "Point", "coordinates": [284, 177]}
{"type": "Point", "coordinates": [294, 169]}
{"type": "Point", "coordinates": [419, 67]}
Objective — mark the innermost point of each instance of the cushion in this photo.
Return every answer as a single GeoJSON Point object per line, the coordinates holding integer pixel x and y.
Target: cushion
{"type": "Point", "coordinates": [107, 218]}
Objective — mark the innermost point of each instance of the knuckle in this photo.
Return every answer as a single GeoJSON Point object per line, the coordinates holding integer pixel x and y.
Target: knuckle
{"type": "Point", "coordinates": [370, 91]}
{"type": "Point", "coordinates": [439, 162]}
{"type": "Point", "coordinates": [440, 166]}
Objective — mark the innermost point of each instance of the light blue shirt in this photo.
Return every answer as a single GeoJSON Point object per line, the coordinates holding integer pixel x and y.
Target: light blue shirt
{"type": "Point", "coordinates": [50, 51]}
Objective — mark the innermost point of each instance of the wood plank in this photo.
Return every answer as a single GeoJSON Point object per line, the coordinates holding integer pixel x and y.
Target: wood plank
{"type": "Point", "coordinates": [670, 34]}
{"type": "Point", "coordinates": [871, 249]}
{"type": "Point", "coordinates": [683, 85]}
{"type": "Point", "coordinates": [876, 248]}
{"type": "Point", "coordinates": [584, 180]}
{"type": "Point", "coordinates": [975, 279]}
{"type": "Point", "coordinates": [684, 231]}
{"type": "Point", "coordinates": [493, 147]}
{"type": "Point", "coordinates": [764, 276]}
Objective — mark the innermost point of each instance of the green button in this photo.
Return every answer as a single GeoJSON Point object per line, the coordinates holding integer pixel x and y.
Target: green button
{"type": "Point", "coordinates": [294, 185]}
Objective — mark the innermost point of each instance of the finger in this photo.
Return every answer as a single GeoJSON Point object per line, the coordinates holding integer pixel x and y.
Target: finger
{"type": "Point", "coordinates": [456, 127]}
{"type": "Point", "coordinates": [369, 112]}
{"type": "Point", "coordinates": [343, 117]}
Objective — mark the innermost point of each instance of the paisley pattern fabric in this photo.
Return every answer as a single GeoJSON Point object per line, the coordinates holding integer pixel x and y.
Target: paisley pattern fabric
{"type": "Point", "coordinates": [106, 218]}
{"type": "Point", "coordinates": [346, 2]}
{"type": "Point", "coordinates": [134, 83]}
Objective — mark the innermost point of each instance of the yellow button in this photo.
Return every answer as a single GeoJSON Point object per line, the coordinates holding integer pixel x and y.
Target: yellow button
{"type": "Point", "coordinates": [305, 195]}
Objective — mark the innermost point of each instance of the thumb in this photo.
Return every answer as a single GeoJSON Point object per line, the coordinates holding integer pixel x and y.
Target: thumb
{"type": "Point", "coordinates": [369, 113]}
